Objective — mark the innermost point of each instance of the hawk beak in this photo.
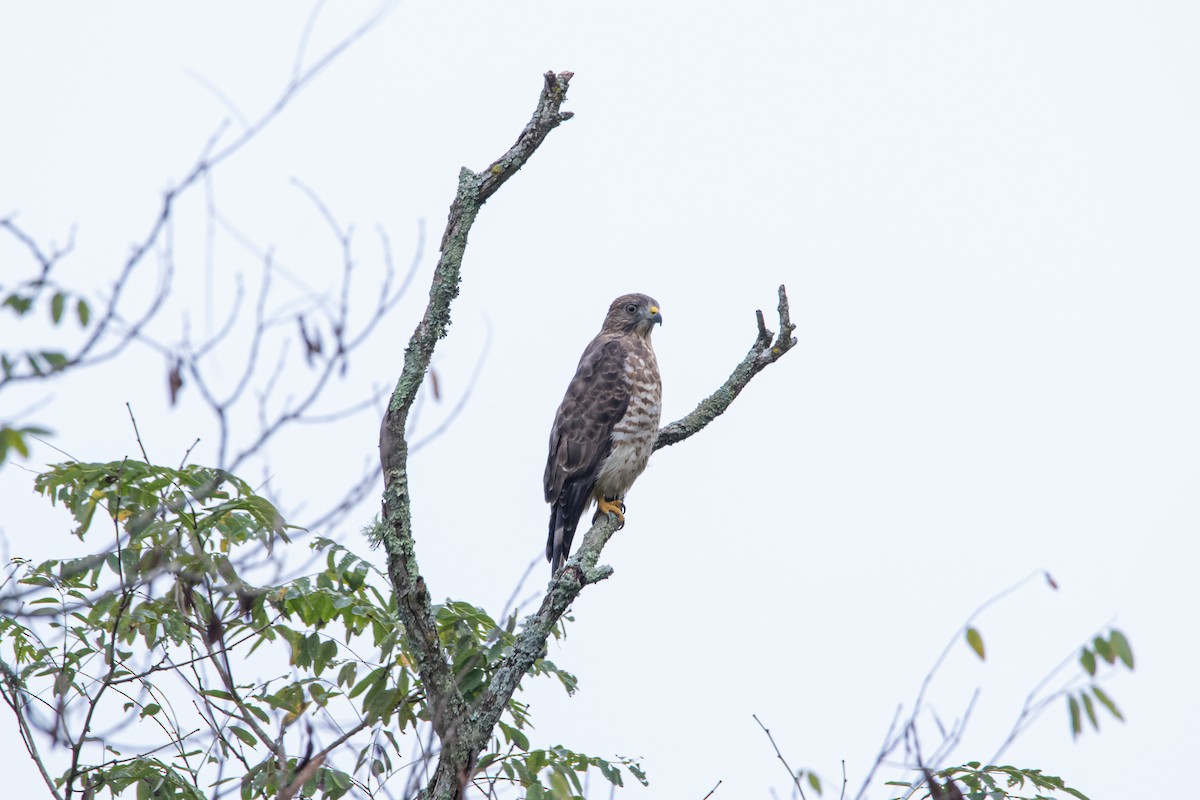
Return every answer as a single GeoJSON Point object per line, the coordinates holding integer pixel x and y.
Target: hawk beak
{"type": "Point", "coordinates": [655, 316]}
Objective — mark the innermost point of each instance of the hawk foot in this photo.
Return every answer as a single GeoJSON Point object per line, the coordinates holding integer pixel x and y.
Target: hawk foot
{"type": "Point", "coordinates": [607, 506]}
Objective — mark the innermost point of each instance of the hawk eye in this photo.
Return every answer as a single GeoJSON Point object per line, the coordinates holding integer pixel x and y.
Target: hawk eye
{"type": "Point", "coordinates": [631, 308]}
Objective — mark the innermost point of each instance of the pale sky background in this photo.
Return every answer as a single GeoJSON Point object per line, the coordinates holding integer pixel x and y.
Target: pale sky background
{"type": "Point", "coordinates": [986, 217]}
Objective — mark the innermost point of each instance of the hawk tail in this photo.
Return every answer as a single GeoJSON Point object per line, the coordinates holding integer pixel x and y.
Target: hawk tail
{"type": "Point", "coordinates": [554, 542]}
{"type": "Point", "coordinates": [564, 519]}
{"type": "Point", "coordinates": [558, 544]}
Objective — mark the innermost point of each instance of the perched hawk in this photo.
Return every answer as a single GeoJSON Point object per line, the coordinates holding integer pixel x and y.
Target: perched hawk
{"type": "Point", "coordinates": [604, 430]}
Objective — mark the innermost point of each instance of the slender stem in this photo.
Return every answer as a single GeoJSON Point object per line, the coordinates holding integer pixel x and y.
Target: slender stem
{"type": "Point", "coordinates": [14, 695]}
{"type": "Point", "coordinates": [791, 773]}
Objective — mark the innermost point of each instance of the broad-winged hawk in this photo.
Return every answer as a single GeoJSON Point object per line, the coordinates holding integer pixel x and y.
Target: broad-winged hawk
{"type": "Point", "coordinates": [604, 431]}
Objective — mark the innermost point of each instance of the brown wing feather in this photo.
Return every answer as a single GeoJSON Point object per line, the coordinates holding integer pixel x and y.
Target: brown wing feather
{"type": "Point", "coordinates": [581, 438]}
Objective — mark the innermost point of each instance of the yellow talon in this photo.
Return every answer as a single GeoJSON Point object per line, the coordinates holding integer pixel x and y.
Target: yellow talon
{"type": "Point", "coordinates": [605, 506]}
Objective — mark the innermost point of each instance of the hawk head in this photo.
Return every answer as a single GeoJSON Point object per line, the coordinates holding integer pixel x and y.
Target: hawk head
{"type": "Point", "coordinates": [632, 313]}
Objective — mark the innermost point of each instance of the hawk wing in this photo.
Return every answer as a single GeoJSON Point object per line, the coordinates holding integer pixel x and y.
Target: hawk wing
{"type": "Point", "coordinates": [582, 438]}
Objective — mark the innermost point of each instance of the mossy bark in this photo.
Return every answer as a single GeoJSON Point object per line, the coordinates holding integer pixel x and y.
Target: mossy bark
{"type": "Point", "coordinates": [461, 740]}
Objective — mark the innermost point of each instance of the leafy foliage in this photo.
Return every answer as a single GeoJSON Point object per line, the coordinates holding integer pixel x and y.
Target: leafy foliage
{"type": "Point", "coordinates": [172, 605]}
{"type": "Point", "coordinates": [973, 781]}
{"type": "Point", "coordinates": [1102, 650]}
{"type": "Point", "coordinates": [991, 782]}
{"type": "Point", "coordinates": [478, 645]}
{"type": "Point", "coordinates": [550, 773]}
{"type": "Point", "coordinates": [21, 302]}
{"type": "Point", "coordinates": [15, 440]}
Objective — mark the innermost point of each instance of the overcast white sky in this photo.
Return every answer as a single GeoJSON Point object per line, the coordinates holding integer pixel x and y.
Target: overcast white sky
{"type": "Point", "coordinates": [986, 217]}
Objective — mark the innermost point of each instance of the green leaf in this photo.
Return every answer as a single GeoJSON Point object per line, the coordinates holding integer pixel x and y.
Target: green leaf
{"type": "Point", "coordinates": [814, 782]}
{"type": "Point", "coordinates": [346, 673]}
{"type": "Point", "coordinates": [243, 734]}
{"type": "Point", "coordinates": [515, 736]}
{"type": "Point", "coordinates": [975, 640]}
{"type": "Point", "coordinates": [559, 786]}
{"type": "Point", "coordinates": [18, 303]}
{"type": "Point", "coordinates": [369, 681]}
{"type": "Point", "coordinates": [1121, 645]}
{"type": "Point", "coordinates": [14, 439]}
{"type": "Point", "coordinates": [56, 360]}
{"type": "Point", "coordinates": [56, 306]}
{"type": "Point", "coordinates": [1088, 659]}
{"type": "Point", "coordinates": [84, 312]}
{"type": "Point", "coordinates": [1076, 722]}
{"type": "Point", "coordinates": [1107, 702]}
{"type": "Point", "coordinates": [1103, 650]}
{"type": "Point", "coordinates": [151, 709]}
{"type": "Point", "coordinates": [1090, 708]}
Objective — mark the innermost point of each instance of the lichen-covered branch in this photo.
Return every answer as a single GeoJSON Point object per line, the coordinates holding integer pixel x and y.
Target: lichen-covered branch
{"type": "Point", "coordinates": [412, 595]}
{"type": "Point", "coordinates": [477, 724]}
{"type": "Point", "coordinates": [762, 353]}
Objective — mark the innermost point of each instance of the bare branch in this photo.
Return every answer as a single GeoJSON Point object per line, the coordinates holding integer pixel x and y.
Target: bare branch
{"type": "Point", "coordinates": [1034, 705]}
{"type": "Point", "coordinates": [791, 773]}
{"type": "Point", "coordinates": [762, 353]}
{"type": "Point", "coordinates": [445, 424]}
{"type": "Point", "coordinates": [907, 729]}
{"type": "Point", "coordinates": [15, 696]}
{"type": "Point", "coordinates": [413, 602]}
{"type": "Point", "coordinates": [210, 157]}
{"type": "Point", "coordinates": [46, 261]}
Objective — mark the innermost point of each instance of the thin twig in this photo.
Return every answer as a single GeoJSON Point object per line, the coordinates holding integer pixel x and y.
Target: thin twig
{"type": "Point", "coordinates": [791, 773]}
{"type": "Point", "coordinates": [14, 696]}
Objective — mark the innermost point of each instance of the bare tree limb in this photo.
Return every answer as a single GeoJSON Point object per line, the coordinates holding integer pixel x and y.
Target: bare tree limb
{"type": "Point", "coordinates": [415, 609]}
{"type": "Point", "coordinates": [46, 261]}
{"type": "Point", "coordinates": [791, 773]}
{"type": "Point", "coordinates": [762, 353]}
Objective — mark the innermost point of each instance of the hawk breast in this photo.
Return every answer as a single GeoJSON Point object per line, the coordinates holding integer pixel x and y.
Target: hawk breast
{"type": "Point", "coordinates": [633, 435]}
